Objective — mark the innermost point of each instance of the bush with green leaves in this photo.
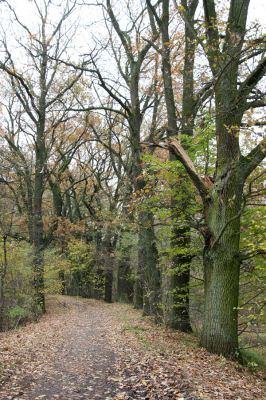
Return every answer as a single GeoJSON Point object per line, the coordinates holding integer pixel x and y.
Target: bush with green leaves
{"type": "Point", "coordinates": [16, 283]}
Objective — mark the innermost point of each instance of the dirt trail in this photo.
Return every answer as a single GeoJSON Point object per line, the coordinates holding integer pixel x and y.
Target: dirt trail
{"type": "Point", "coordinates": [67, 355]}
{"type": "Point", "coordinates": [87, 349]}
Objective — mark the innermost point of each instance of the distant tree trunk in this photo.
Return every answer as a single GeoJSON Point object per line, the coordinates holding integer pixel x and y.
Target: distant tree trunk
{"type": "Point", "coordinates": [98, 289]}
{"type": "Point", "coordinates": [61, 276]}
{"type": "Point", "coordinates": [57, 197]}
{"type": "Point", "coordinates": [141, 261]}
{"type": "Point", "coordinates": [148, 257]}
{"type": "Point", "coordinates": [38, 234]}
{"type": "Point", "coordinates": [108, 286]}
{"type": "Point", "coordinates": [109, 244]}
{"type": "Point", "coordinates": [147, 275]}
{"type": "Point", "coordinates": [124, 279]}
{"type": "Point", "coordinates": [3, 272]}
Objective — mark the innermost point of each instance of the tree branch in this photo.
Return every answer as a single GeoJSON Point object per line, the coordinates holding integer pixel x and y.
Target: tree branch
{"type": "Point", "coordinates": [253, 159]}
{"type": "Point", "coordinates": [251, 81]}
{"type": "Point", "coordinates": [201, 184]}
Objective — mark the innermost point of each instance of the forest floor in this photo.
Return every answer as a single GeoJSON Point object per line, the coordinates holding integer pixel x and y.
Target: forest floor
{"type": "Point", "coordinates": [86, 349]}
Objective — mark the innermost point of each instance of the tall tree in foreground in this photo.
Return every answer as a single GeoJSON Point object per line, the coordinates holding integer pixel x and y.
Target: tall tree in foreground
{"type": "Point", "coordinates": [222, 195]}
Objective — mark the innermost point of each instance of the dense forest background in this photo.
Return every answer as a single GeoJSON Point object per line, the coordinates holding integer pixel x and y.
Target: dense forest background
{"type": "Point", "coordinates": [131, 162]}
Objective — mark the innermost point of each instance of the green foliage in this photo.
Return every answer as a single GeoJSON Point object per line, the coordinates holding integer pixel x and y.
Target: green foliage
{"type": "Point", "coordinates": [81, 275]}
{"type": "Point", "coordinates": [202, 146]}
{"type": "Point", "coordinates": [126, 261]}
{"type": "Point", "coordinates": [253, 271]}
{"type": "Point", "coordinates": [80, 254]}
{"type": "Point", "coordinates": [54, 263]}
{"type": "Point", "coordinates": [71, 269]}
{"type": "Point", "coordinates": [127, 245]}
{"type": "Point", "coordinates": [167, 182]}
{"type": "Point", "coordinates": [18, 291]}
{"type": "Point", "coordinates": [252, 359]}
{"type": "Point", "coordinates": [18, 315]}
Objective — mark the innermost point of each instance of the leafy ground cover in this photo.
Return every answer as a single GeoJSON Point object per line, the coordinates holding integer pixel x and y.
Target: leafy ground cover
{"type": "Point", "coordinates": [85, 349]}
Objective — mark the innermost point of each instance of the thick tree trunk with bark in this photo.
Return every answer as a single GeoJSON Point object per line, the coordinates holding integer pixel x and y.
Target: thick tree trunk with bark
{"type": "Point", "coordinates": [222, 209]}
{"type": "Point", "coordinates": [222, 266]}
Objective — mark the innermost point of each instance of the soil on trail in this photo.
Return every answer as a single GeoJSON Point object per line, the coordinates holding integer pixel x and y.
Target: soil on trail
{"type": "Point", "coordinates": [67, 355]}
{"type": "Point", "coordinates": [87, 349]}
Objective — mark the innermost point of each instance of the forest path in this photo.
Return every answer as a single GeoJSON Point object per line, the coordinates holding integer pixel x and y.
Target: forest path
{"type": "Point", "coordinates": [67, 355]}
{"type": "Point", "coordinates": [87, 349]}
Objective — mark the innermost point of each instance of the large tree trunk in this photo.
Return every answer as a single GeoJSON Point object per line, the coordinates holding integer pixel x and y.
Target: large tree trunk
{"type": "Point", "coordinates": [223, 206]}
{"type": "Point", "coordinates": [222, 266]}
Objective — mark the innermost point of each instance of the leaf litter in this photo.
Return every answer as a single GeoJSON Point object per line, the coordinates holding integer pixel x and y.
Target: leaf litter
{"type": "Point", "coordinates": [86, 349]}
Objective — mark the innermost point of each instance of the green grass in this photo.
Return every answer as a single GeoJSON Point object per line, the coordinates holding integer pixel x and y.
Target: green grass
{"type": "Point", "coordinates": [253, 359]}
{"type": "Point", "coordinates": [139, 332]}
{"type": "Point", "coordinates": [254, 355]}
